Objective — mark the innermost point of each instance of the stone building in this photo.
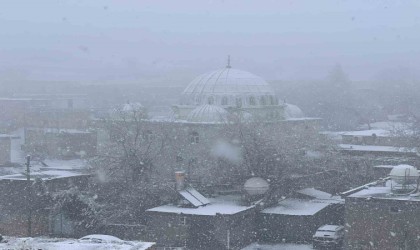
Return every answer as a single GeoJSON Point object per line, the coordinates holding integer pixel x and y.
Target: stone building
{"type": "Point", "coordinates": [60, 143]}
{"type": "Point", "coordinates": [221, 116]}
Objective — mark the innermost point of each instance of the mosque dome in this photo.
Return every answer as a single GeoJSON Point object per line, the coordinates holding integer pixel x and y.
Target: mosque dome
{"type": "Point", "coordinates": [229, 87]}
{"type": "Point", "coordinates": [292, 111]}
{"type": "Point", "coordinates": [208, 114]}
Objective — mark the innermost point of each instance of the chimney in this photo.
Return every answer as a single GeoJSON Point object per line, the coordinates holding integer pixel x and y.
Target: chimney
{"type": "Point", "coordinates": [180, 180]}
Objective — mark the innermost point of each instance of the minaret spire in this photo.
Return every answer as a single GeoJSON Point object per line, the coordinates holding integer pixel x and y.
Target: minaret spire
{"type": "Point", "coordinates": [228, 62]}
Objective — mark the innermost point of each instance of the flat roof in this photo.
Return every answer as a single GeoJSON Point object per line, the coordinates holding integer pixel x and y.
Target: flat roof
{"type": "Point", "coordinates": [315, 193]}
{"type": "Point", "coordinates": [371, 148]}
{"type": "Point", "coordinates": [377, 132]}
{"type": "Point", "coordinates": [384, 193]}
{"type": "Point", "coordinates": [43, 175]}
{"type": "Point", "coordinates": [292, 206]}
{"type": "Point", "coordinates": [226, 205]}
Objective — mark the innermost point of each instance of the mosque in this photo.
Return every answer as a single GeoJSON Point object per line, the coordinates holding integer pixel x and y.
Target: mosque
{"type": "Point", "coordinates": [200, 137]}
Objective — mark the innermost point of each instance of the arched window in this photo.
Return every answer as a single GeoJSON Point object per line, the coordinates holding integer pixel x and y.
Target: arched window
{"type": "Point", "coordinates": [197, 100]}
{"type": "Point", "coordinates": [210, 100]}
{"type": "Point", "coordinates": [263, 101]}
{"type": "Point", "coordinates": [224, 100]}
{"type": "Point", "coordinates": [272, 100]}
{"type": "Point", "coordinates": [148, 136]}
{"type": "Point", "coordinates": [194, 137]}
{"type": "Point", "coordinates": [252, 101]}
{"type": "Point", "coordinates": [238, 102]}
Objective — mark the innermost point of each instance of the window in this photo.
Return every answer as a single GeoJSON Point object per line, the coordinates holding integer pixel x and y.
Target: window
{"type": "Point", "coordinates": [179, 159]}
{"type": "Point", "coordinates": [148, 135]}
{"type": "Point", "coordinates": [262, 101]}
{"type": "Point", "coordinates": [194, 137]}
{"type": "Point", "coordinates": [395, 210]}
{"type": "Point", "coordinates": [183, 220]}
{"type": "Point", "coordinates": [238, 102]}
{"type": "Point", "coordinates": [197, 101]}
{"type": "Point", "coordinates": [224, 100]}
{"type": "Point", "coordinates": [70, 103]}
{"type": "Point", "coordinates": [210, 100]}
{"type": "Point", "coordinates": [272, 100]}
{"type": "Point", "coordinates": [252, 100]}
{"type": "Point", "coordinates": [192, 162]}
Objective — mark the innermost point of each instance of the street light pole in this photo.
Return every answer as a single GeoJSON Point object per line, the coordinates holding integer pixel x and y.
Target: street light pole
{"type": "Point", "coordinates": [29, 194]}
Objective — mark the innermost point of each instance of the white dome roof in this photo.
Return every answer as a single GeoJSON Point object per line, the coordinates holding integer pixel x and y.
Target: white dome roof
{"type": "Point", "coordinates": [404, 174]}
{"type": "Point", "coordinates": [256, 186]}
{"type": "Point", "coordinates": [208, 114]}
{"type": "Point", "coordinates": [292, 111]}
{"type": "Point", "coordinates": [229, 87]}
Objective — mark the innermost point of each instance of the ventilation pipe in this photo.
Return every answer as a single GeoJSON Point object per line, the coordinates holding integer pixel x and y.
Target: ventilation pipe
{"type": "Point", "coordinates": [179, 180]}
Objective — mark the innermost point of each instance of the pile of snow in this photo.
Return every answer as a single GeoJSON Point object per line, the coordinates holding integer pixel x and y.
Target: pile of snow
{"type": "Point", "coordinates": [107, 242]}
{"type": "Point", "coordinates": [282, 246]}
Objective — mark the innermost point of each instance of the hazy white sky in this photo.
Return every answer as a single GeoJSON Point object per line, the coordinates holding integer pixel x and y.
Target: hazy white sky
{"type": "Point", "coordinates": [279, 39]}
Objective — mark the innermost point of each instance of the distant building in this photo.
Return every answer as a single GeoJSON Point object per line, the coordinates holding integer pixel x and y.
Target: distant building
{"type": "Point", "coordinates": [233, 221]}
{"type": "Point", "coordinates": [14, 200]}
{"type": "Point", "coordinates": [198, 138]}
{"type": "Point", "coordinates": [60, 143]}
{"type": "Point", "coordinates": [385, 216]}
{"type": "Point", "coordinates": [58, 111]}
{"type": "Point", "coordinates": [296, 219]}
{"type": "Point", "coordinates": [195, 222]}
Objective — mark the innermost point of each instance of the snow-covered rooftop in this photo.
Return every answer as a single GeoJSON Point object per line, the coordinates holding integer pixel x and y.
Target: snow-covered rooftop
{"type": "Point", "coordinates": [71, 244]}
{"type": "Point", "coordinates": [281, 246]}
{"type": "Point", "coordinates": [377, 132]}
{"type": "Point", "coordinates": [229, 87]}
{"type": "Point", "coordinates": [371, 148]}
{"type": "Point", "coordinates": [61, 130]}
{"type": "Point", "coordinates": [226, 205]}
{"type": "Point", "coordinates": [43, 175]}
{"type": "Point", "coordinates": [384, 193]}
{"type": "Point", "coordinates": [292, 206]}
{"type": "Point", "coordinates": [292, 111]}
{"type": "Point", "coordinates": [387, 125]}
{"type": "Point", "coordinates": [315, 193]}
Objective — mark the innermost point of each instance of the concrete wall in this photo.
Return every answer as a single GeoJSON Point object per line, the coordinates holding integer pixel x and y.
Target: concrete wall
{"type": "Point", "coordinates": [277, 228]}
{"type": "Point", "coordinates": [382, 224]}
{"type": "Point", "coordinates": [5, 154]}
{"type": "Point", "coordinates": [202, 232]}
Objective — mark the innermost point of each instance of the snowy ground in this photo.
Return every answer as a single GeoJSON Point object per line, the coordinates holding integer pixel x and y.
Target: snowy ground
{"type": "Point", "coordinates": [283, 246]}
{"type": "Point", "coordinates": [69, 244]}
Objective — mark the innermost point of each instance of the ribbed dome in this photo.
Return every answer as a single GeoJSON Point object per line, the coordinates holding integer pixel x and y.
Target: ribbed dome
{"type": "Point", "coordinates": [208, 114]}
{"type": "Point", "coordinates": [292, 111]}
{"type": "Point", "coordinates": [229, 87]}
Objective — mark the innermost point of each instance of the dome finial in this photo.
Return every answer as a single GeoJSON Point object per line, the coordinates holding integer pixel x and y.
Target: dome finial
{"type": "Point", "coordinates": [228, 62]}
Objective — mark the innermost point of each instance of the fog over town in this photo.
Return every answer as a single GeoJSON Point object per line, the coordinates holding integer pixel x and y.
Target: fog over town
{"type": "Point", "coordinates": [221, 124]}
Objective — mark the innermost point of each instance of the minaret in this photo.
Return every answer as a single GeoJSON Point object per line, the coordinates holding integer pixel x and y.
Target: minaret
{"type": "Point", "coordinates": [228, 63]}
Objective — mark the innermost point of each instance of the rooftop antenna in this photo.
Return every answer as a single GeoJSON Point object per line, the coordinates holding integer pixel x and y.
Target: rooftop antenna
{"type": "Point", "coordinates": [228, 63]}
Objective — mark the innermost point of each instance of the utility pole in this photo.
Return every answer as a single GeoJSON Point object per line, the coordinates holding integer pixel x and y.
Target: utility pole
{"type": "Point", "coordinates": [29, 194]}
